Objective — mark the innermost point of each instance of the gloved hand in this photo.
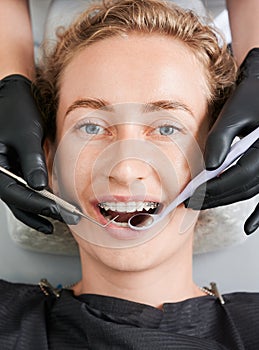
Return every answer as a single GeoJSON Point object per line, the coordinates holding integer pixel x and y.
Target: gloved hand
{"type": "Point", "coordinates": [239, 116]}
{"type": "Point", "coordinates": [21, 135]}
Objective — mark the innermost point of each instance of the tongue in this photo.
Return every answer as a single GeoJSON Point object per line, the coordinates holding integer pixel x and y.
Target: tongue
{"type": "Point", "coordinates": [123, 217]}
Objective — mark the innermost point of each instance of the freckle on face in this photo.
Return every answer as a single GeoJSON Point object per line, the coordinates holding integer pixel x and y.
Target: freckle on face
{"type": "Point", "coordinates": [114, 66]}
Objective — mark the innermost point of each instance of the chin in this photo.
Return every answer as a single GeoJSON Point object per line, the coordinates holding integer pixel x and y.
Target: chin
{"type": "Point", "coordinates": [163, 247]}
{"type": "Point", "coordinates": [135, 259]}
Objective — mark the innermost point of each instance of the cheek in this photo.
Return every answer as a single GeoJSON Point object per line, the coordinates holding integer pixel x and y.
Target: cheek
{"type": "Point", "coordinates": [83, 170]}
{"type": "Point", "coordinates": [72, 168]}
{"type": "Point", "coordinates": [185, 161]}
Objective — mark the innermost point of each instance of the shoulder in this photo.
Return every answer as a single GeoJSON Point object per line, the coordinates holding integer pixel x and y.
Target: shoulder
{"type": "Point", "coordinates": [18, 298]}
{"type": "Point", "coordinates": [18, 291]}
{"type": "Point", "coordinates": [243, 305]}
{"type": "Point", "coordinates": [243, 310]}
{"type": "Point", "coordinates": [22, 306]}
{"type": "Point", "coordinates": [242, 300]}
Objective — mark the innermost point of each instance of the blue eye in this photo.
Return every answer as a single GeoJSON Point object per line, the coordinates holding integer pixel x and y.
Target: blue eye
{"type": "Point", "coordinates": [92, 129]}
{"type": "Point", "coordinates": [167, 130]}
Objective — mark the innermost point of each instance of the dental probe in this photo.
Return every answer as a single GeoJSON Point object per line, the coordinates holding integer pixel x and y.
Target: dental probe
{"type": "Point", "coordinates": [235, 152]}
{"type": "Point", "coordinates": [61, 202]}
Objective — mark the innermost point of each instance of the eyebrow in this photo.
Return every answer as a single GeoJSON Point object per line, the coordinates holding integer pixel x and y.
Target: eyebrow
{"type": "Point", "coordinates": [96, 103]}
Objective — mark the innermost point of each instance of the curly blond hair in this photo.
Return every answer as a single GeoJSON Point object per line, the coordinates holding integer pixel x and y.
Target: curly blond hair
{"type": "Point", "coordinates": [120, 17]}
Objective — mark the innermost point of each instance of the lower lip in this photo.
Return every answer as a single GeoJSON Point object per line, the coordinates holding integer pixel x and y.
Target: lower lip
{"type": "Point", "coordinates": [119, 232]}
{"type": "Point", "coordinates": [123, 233]}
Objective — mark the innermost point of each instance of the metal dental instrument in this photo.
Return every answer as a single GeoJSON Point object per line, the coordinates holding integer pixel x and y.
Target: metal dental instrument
{"type": "Point", "coordinates": [61, 202]}
{"type": "Point", "coordinates": [149, 220]}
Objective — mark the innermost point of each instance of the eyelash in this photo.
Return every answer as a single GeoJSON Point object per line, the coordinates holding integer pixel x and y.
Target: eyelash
{"type": "Point", "coordinates": [168, 125]}
{"type": "Point", "coordinates": [88, 123]}
{"type": "Point", "coordinates": [84, 124]}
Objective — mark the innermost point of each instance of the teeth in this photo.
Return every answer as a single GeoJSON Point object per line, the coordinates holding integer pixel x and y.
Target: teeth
{"type": "Point", "coordinates": [121, 224]}
{"type": "Point", "coordinates": [128, 207]}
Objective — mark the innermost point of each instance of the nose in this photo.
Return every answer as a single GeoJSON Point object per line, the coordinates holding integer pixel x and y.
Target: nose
{"type": "Point", "coordinates": [129, 171]}
{"type": "Point", "coordinates": [127, 162]}
{"type": "Point", "coordinates": [130, 162]}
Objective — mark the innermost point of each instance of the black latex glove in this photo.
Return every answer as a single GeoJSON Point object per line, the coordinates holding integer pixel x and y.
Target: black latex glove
{"type": "Point", "coordinates": [21, 135]}
{"type": "Point", "coordinates": [239, 116]}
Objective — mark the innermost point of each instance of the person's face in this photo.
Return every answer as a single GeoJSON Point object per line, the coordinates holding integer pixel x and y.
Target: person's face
{"type": "Point", "coordinates": [121, 149]}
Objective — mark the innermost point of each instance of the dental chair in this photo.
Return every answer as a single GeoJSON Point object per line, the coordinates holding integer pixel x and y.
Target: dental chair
{"type": "Point", "coordinates": [222, 251]}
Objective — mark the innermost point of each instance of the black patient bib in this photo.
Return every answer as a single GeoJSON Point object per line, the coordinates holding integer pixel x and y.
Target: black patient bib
{"type": "Point", "coordinates": [31, 320]}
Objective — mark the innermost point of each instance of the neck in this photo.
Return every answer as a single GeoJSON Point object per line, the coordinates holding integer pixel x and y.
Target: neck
{"type": "Point", "coordinates": [169, 281]}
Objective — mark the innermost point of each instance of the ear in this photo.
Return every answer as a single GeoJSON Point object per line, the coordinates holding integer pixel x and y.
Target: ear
{"type": "Point", "coordinates": [49, 151]}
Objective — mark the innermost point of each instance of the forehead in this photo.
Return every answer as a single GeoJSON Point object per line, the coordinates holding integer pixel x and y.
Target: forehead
{"type": "Point", "coordinates": [135, 68]}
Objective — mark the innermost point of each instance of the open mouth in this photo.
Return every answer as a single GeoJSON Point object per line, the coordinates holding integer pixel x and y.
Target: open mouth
{"type": "Point", "coordinates": [125, 210]}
